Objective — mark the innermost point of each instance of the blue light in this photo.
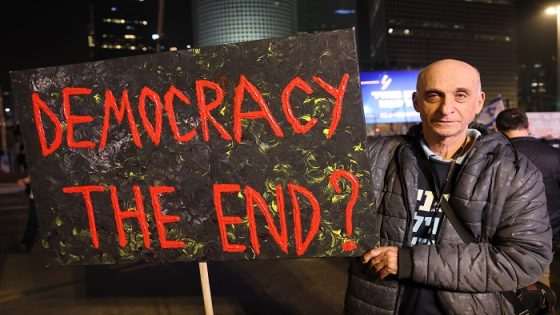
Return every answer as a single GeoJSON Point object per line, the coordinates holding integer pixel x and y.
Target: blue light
{"type": "Point", "coordinates": [345, 11]}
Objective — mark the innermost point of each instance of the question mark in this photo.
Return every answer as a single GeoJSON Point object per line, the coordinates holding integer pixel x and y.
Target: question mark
{"type": "Point", "coordinates": [349, 245]}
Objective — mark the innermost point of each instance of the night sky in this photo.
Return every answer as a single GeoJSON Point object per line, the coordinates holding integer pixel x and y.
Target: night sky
{"type": "Point", "coordinates": [46, 33]}
{"type": "Point", "coordinates": [42, 33]}
{"type": "Point", "coordinates": [536, 32]}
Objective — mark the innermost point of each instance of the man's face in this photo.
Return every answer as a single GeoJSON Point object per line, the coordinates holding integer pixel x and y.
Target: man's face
{"type": "Point", "coordinates": [448, 99]}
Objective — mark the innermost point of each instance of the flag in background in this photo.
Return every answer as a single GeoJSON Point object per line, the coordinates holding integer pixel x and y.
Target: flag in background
{"type": "Point", "coordinates": [489, 113]}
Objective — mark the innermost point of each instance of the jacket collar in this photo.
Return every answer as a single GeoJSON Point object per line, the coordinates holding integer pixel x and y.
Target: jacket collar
{"type": "Point", "coordinates": [473, 133]}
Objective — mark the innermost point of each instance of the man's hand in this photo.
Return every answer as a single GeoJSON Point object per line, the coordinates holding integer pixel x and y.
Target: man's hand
{"type": "Point", "coordinates": [384, 260]}
{"type": "Point", "coordinates": [23, 181]}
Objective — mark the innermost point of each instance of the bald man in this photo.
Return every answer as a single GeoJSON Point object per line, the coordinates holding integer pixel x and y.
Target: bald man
{"type": "Point", "coordinates": [421, 265]}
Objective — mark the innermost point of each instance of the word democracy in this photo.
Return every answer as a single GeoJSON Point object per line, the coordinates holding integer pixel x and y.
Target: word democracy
{"type": "Point", "coordinates": [41, 112]}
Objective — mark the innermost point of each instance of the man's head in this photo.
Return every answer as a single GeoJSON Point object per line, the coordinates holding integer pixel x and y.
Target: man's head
{"type": "Point", "coordinates": [513, 122]}
{"type": "Point", "coordinates": [448, 96]}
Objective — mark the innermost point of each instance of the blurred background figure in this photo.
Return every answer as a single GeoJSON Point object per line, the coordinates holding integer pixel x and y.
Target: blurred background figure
{"type": "Point", "coordinates": [32, 223]}
{"type": "Point", "coordinates": [514, 123]}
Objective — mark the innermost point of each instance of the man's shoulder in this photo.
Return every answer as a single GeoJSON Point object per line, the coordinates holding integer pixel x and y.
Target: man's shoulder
{"type": "Point", "coordinates": [534, 144]}
{"type": "Point", "coordinates": [382, 150]}
{"type": "Point", "coordinates": [493, 147]}
{"type": "Point", "coordinates": [494, 141]}
{"type": "Point", "coordinates": [527, 139]}
{"type": "Point", "coordinates": [387, 143]}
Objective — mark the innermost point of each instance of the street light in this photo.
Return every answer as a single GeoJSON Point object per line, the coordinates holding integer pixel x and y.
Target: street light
{"type": "Point", "coordinates": [555, 10]}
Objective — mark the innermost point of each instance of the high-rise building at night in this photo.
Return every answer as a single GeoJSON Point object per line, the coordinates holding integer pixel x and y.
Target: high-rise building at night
{"type": "Point", "coordinates": [123, 28]}
{"type": "Point", "coordinates": [228, 21]}
{"type": "Point", "coordinates": [320, 15]}
{"type": "Point", "coordinates": [536, 87]}
{"type": "Point", "coordinates": [410, 34]}
{"type": "Point", "coordinates": [538, 69]}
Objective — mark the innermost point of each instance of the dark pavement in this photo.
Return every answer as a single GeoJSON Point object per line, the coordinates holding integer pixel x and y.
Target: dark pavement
{"type": "Point", "coordinates": [294, 286]}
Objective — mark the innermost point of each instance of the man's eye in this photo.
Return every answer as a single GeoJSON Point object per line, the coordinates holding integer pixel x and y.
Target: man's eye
{"type": "Point", "coordinates": [432, 97]}
{"type": "Point", "coordinates": [461, 96]}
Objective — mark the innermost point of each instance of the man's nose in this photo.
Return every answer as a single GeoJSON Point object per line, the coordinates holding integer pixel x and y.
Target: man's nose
{"type": "Point", "coordinates": [447, 106]}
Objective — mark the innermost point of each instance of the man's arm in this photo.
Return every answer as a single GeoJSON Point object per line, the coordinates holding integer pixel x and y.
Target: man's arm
{"type": "Point", "coordinates": [516, 255]}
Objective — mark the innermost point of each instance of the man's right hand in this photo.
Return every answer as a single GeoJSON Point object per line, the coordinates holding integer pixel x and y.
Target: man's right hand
{"type": "Point", "coordinates": [384, 260]}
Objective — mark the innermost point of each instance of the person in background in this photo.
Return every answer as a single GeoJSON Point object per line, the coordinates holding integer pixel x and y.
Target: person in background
{"type": "Point", "coordinates": [513, 123]}
{"type": "Point", "coordinates": [32, 225]}
{"type": "Point", "coordinates": [421, 265]}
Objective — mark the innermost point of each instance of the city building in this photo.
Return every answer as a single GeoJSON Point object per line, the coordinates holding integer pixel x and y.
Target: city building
{"type": "Point", "coordinates": [220, 22]}
{"type": "Point", "coordinates": [538, 70]}
{"type": "Point", "coordinates": [536, 87]}
{"type": "Point", "coordinates": [410, 34]}
{"type": "Point", "coordinates": [123, 28]}
{"type": "Point", "coordinates": [320, 16]}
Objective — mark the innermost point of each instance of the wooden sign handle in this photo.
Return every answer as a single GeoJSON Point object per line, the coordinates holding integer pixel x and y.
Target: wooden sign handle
{"type": "Point", "coordinates": [205, 282]}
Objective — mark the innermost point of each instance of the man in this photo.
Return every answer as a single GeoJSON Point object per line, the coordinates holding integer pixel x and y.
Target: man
{"type": "Point", "coordinates": [421, 265]}
{"type": "Point", "coordinates": [32, 225]}
{"type": "Point", "coordinates": [514, 124]}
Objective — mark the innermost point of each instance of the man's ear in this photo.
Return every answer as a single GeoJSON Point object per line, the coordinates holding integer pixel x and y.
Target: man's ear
{"type": "Point", "coordinates": [480, 102]}
{"type": "Point", "coordinates": [415, 101]}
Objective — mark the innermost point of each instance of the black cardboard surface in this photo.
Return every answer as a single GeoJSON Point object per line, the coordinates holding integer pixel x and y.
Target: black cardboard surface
{"type": "Point", "coordinates": [161, 168]}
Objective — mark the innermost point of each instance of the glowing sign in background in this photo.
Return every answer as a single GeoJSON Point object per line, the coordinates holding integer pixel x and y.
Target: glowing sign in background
{"type": "Point", "coordinates": [387, 96]}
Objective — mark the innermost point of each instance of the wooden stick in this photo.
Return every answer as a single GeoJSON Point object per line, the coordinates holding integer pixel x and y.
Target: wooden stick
{"type": "Point", "coordinates": [205, 282]}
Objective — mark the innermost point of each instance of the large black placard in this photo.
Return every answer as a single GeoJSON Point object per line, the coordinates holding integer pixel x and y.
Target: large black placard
{"type": "Point", "coordinates": [241, 151]}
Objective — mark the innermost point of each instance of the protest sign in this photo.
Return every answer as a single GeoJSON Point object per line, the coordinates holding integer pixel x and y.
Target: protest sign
{"type": "Point", "coordinates": [544, 125]}
{"type": "Point", "coordinates": [253, 150]}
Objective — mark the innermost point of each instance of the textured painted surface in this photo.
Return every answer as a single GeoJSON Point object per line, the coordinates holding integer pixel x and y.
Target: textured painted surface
{"type": "Point", "coordinates": [258, 158]}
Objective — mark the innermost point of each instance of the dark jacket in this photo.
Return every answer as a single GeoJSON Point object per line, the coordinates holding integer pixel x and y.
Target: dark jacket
{"type": "Point", "coordinates": [500, 198]}
{"type": "Point", "coordinates": [547, 160]}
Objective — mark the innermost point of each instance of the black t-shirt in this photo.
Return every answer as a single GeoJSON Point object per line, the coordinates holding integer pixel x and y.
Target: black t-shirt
{"type": "Point", "coordinates": [419, 299]}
